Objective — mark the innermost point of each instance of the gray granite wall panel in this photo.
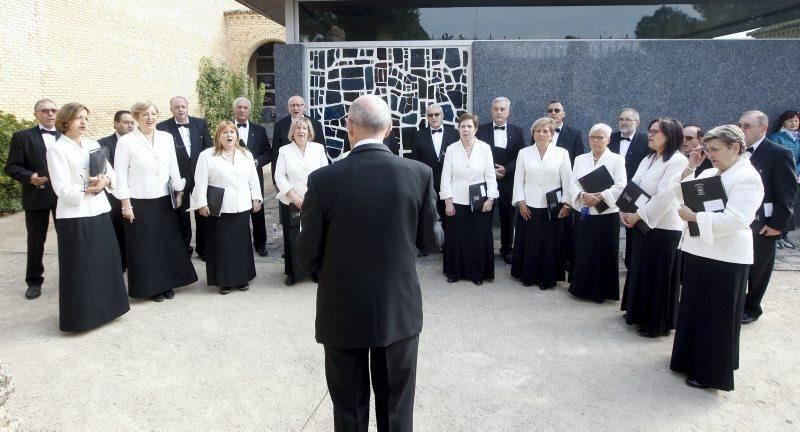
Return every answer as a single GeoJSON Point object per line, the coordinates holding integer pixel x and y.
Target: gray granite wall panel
{"type": "Point", "coordinates": [289, 75]}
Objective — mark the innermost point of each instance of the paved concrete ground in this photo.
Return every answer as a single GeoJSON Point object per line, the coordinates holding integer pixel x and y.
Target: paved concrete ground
{"type": "Point", "coordinates": [495, 357]}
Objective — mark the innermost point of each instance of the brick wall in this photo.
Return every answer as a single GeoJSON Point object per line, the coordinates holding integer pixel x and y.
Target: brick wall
{"type": "Point", "coordinates": [246, 31]}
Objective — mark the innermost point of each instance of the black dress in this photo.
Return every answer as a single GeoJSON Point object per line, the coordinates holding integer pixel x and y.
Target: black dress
{"type": "Point", "coordinates": [157, 258]}
{"type": "Point", "coordinates": [229, 253]}
{"type": "Point", "coordinates": [595, 269]}
{"type": "Point", "coordinates": [652, 287]}
{"type": "Point", "coordinates": [537, 249]}
{"type": "Point", "coordinates": [291, 265]}
{"type": "Point", "coordinates": [91, 290]}
{"type": "Point", "coordinates": [469, 245]}
{"type": "Point", "coordinates": [706, 345]}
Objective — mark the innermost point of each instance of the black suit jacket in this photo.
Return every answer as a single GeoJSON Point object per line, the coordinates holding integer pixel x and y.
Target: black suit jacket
{"type": "Point", "coordinates": [506, 157]}
{"type": "Point", "coordinates": [636, 151]}
{"type": "Point", "coordinates": [363, 218]}
{"type": "Point", "coordinates": [775, 164]}
{"type": "Point", "coordinates": [258, 144]}
{"type": "Point", "coordinates": [109, 142]}
{"type": "Point", "coordinates": [200, 140]}
{"type": "Point", "coordinates": [27, 154]}
{"type": "Point", "coordinates": [570, 139]}
{"type": "Point", "coordinates": [280, 137]}
{"type": "Point", "coordinates": [422, 150]}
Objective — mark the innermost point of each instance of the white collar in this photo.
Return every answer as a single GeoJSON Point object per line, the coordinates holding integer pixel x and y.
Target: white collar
{"type": "Point", "coordinates": [755, 146]}
{"type": "Point", "coordinates": [368, 141]}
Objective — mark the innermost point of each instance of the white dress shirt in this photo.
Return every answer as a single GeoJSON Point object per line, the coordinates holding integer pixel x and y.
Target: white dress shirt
{"type": "Point", "coordinates": [460, 171]}
{"type": "Point", "coordinates": [238, 177]}
{"type": "Point", "coordinates": [68, 164]}
{"type": "Point", "coordinates": [557, 133]}
{"type": "Point", "coordinates": [535, 176]}
{"type": "Point", "coordinates": [727, 236]}
{"type": "Point", "coordinates": [436, 138]}
{"type": "Point", "coordinates": [625, 144]}
{"type": "Point", "coordinates": [244, 132]}
{"type": "Point", "coordinates": [49, 139]}
{"type": "Point", "coordinates": [293, 167]}
{"type": "Point", "coordinates": [186, 137]}
{"type": "Point", "coordinates": [655, 178]}
{"type": "Point", "coordinates": [143, 170]}
{"type": "Point", "coordinates": [500, 136]}
{"type": "Point", "coordinates": [584, 164]}
{"type": "Point", "coordinates": [749, 154]}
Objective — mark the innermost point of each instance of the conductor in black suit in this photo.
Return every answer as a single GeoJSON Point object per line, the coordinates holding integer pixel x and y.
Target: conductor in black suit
{"type": "Point", "coordinates": [254, 138]}
{"type": "Point", "coordinates": [775, 164]}
{"type": "Point", "coordinates": [506, 140]}
{"type": "Point", "coordinates": [27, 164]}
{"type": "Point", "coordinates": [191, 137]}
{"type": "Point", "coordinates": [565, 137]}
{"type": "Point", "coordinates": [362, 218]}
{"type": "Point", "coordinates": [280, 134]}
{"type": "Point", "coordinates": [123, 124]}
{"type": "Point", "coordinates": [631, 144]}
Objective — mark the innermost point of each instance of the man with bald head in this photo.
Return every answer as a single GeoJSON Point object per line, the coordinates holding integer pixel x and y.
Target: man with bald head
{"type": "Point", "coordinates": [280, 134]}
{"type": "Point", "coordinates": [362, 218]}
{"type": "Point", "coordinates": [190, 135]}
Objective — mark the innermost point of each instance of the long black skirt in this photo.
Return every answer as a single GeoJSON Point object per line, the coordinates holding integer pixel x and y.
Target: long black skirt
{"type": "Point", "coordinates": [595, 272]}
{"type": "Point", "coordinates": [537, 249]}
{"type": "Point", "coordinates": [652, 287]}
{"type": "Point", "coordinates": [91, 290]}
{"type": "Point", "coordinates": [229, 250]}
{"type": "Point", "coordinates": [706, 343]}
{"type": "Point", "coordinates": [291, 266]}
{"type": "Point", "coordinates": [469, 246]}
{"type": "Point", "coordinates": [157, 258]}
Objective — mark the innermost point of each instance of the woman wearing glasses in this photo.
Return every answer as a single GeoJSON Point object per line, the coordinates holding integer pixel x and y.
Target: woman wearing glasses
{"type": "Point", "coordinates": [787, 134]}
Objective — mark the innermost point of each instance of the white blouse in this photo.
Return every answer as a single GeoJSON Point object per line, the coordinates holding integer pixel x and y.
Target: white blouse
{"type": "Point", "coordinates": [144, 170]}
{"type": "Point", "coordinates": [726, 236]}
{"type": "Point", "coordinates": [535, 176]}
{"type": "Point", "coordinates": [584, 164]}
{"type": "Point", "coordinates": [68, 164]}
{"type": "Point", "coordinates": [239, 179]}
{"type": "Point", "coordinates": [294, 166]}
{"type": "Point", "coordinates": [460, 171]}
{"type": "Point", "coordinates": [655, 178]}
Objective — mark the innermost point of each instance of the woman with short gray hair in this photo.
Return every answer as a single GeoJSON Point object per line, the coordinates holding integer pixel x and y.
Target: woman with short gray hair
{"type": "Point", "coordinates": [716, 263]}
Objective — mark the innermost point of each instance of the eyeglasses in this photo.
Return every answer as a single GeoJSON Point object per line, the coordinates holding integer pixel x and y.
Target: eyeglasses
{"type": "Point", "coordinates": [48, 111]}
{"type": "Point", "coordinates": [746, 126]}
{"type": "Point", "coordinates": [653, 132]}
{"type": "Point", "coordinates": [434, 114]}
{"type": "Point", "coordinates": [553, 110]}
{"type": "Point", "coordinates": [626, 120]}
{"type": "Point", "coordinates": [596, 138]}
{"type": "Point", "coordinates": [296, 105]}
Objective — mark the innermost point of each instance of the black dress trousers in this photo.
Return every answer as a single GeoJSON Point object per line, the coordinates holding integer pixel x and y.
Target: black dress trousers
{"type": "Point", "coordinates": [36, 222]}
{"type": "Point", "coordinates": [507, 215]}
{"type": "Point", "coordinates": [760, 273]}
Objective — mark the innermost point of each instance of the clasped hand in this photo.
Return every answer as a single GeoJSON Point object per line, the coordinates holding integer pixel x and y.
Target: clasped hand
{"type": "Point", "coordinates": [629, 219]}
{"type": "Point", "coordinates": [591, 199]}
{"type": "Point", "coordinates": [98, 183]}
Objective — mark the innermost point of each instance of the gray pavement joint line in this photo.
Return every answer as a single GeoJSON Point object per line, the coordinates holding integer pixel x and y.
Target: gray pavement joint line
{"type": "Point", "coordinates": [315, 411]}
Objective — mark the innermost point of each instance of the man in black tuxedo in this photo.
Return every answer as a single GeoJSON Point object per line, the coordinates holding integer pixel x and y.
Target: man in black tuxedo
{"type": "Point", "coordinates": [362, 217]}
{"type": "Point", "coordinates": [565, 137]}
{"type": "Point", "coordinates": [123, 124]}
{"type": "Point", "coordinates": [506, 140]}
{"type": "Point", "coordinates": [692, 137]}
{"type": "Point", "coordinates": [775, 164]}
{"type": "Point", "coordinates": [280, 134]}
{"type": "Point", "coordinates": [632, 145]}
{"type": "Point", "coordinates": [254, 138]}
{"type": "Point", "coordinates": [191, 137]}
{"type": "Point", "coordinates": [27, 164]}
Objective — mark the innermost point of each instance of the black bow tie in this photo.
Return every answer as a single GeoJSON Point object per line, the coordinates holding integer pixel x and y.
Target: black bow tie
{"type": "Point", "coordinates": [45, 131]}
{"type": "Point", "coordinates": [558, 130]}
{"type": "Point", "coordinates": [624, 139]}
{"type": "Point", "coordinates": [499, 127]}
{"type": "Point", "coordinates": [433, 131]}
{"type": "Point", "coordinates": [238, 125]}
{"type": "Point", "coordinates": [750, 149]}
{"type": "Point", "coordinates": [186, 125]}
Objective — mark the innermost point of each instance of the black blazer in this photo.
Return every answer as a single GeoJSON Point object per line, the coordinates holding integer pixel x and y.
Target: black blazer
{"type": "Point", "coordinates": [570, 139]}
{"type": "Point", "coordinates": [109, 142]}
{"type": "Point", "coordinates": [363, 218]}
{"type": "Point", "coordinates": [636, 151]}
{"type": "Point", "coordinates": [422, 150]}
{"type": "Point", "coordinates": [201, 140]}
{"type": "Point", "coordinates": [506, 157]}
{"type": "Point", "coordinates": [280, 137]}
{"type": "Point", "coordinates": [258, 144]}
{"type": "Point", "coordinates": [775, 164]}
{"type": "Point", "coordinates": [27, 154]}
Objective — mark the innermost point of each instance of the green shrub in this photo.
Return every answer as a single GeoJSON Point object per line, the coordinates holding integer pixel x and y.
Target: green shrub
{"type": "Point", "coordinates": [10, 191]}
{"type": "Point", "coordinates": [218, 86]}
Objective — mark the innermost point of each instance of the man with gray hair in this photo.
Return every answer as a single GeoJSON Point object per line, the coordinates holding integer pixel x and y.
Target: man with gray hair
{"type": "Point", "coordinates": [775, 164]}
{"type": "Point", "coordinates": [280, 134]}
{"type": "Point", "coordinates": [362, 218]}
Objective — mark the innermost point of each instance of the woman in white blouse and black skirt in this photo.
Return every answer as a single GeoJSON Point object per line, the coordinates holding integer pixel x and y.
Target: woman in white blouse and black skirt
{"type": "Point", "coordinates": [716, 264]}
{"type": "Point", "coordinates": [468, 241]}
{"type": "Point", "coordinates": [296, 161]}
{"type": "Point", "coordinates": [91, 290]}
{"type": "Point", "coordinates": [595, 270]}
{"type": "Point", "coordinates": [228, 165]}
{"type": "Point", "coordinates": [147, 170]}
{"type": "Point", "coordinates": [652, 286]}
{"type": "Point", "coordinates": [541, 169]}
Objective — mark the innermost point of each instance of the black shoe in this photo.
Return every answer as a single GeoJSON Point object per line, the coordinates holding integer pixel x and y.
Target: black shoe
{"type": "Point", "coordinates": [202, 257]}
{"type": "Point", "coordinates": [478, 282]}
{"type": "Point", "coordinates": [788, 243]}
{"type": "Point", "coordinates": [451, 279]}
{"type": "Point", "coordinates": [747, 319]}
{"type": "Point", "coordinates": [262, 251]}
{"type": "Point", "coordinates": [507, 258]}
{"type": "Point", "coordinates": [244, 287]}
{"type": "Point", "coordinates": [421, 254]}
{"type": "Point", "coordinates": [33, 291]}
{"type": "Point", "coordinates": [158, 298]}
{"type": "Point", "coordinates": [289, 281]}
{"type": "Point", "coordinates": [779, 244]}
{"type": "Point", "coordinates": [315, 278]}
{"type": "Point", "coordinates": [691, 382]}
{"type": "Point", "coordinates": [169, 295]}
{"type": "Point", "coordinates": [224, 290]}
{"type": "Point", "coordinates": [645, 333]}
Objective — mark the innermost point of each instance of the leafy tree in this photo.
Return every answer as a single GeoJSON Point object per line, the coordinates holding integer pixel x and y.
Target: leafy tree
{"type": "Point", "coordinates": [218, 86]}
{"type": "Point", "coordinates": [665, 23]}
{"type": "Point", "coordinates": [10, 191]}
